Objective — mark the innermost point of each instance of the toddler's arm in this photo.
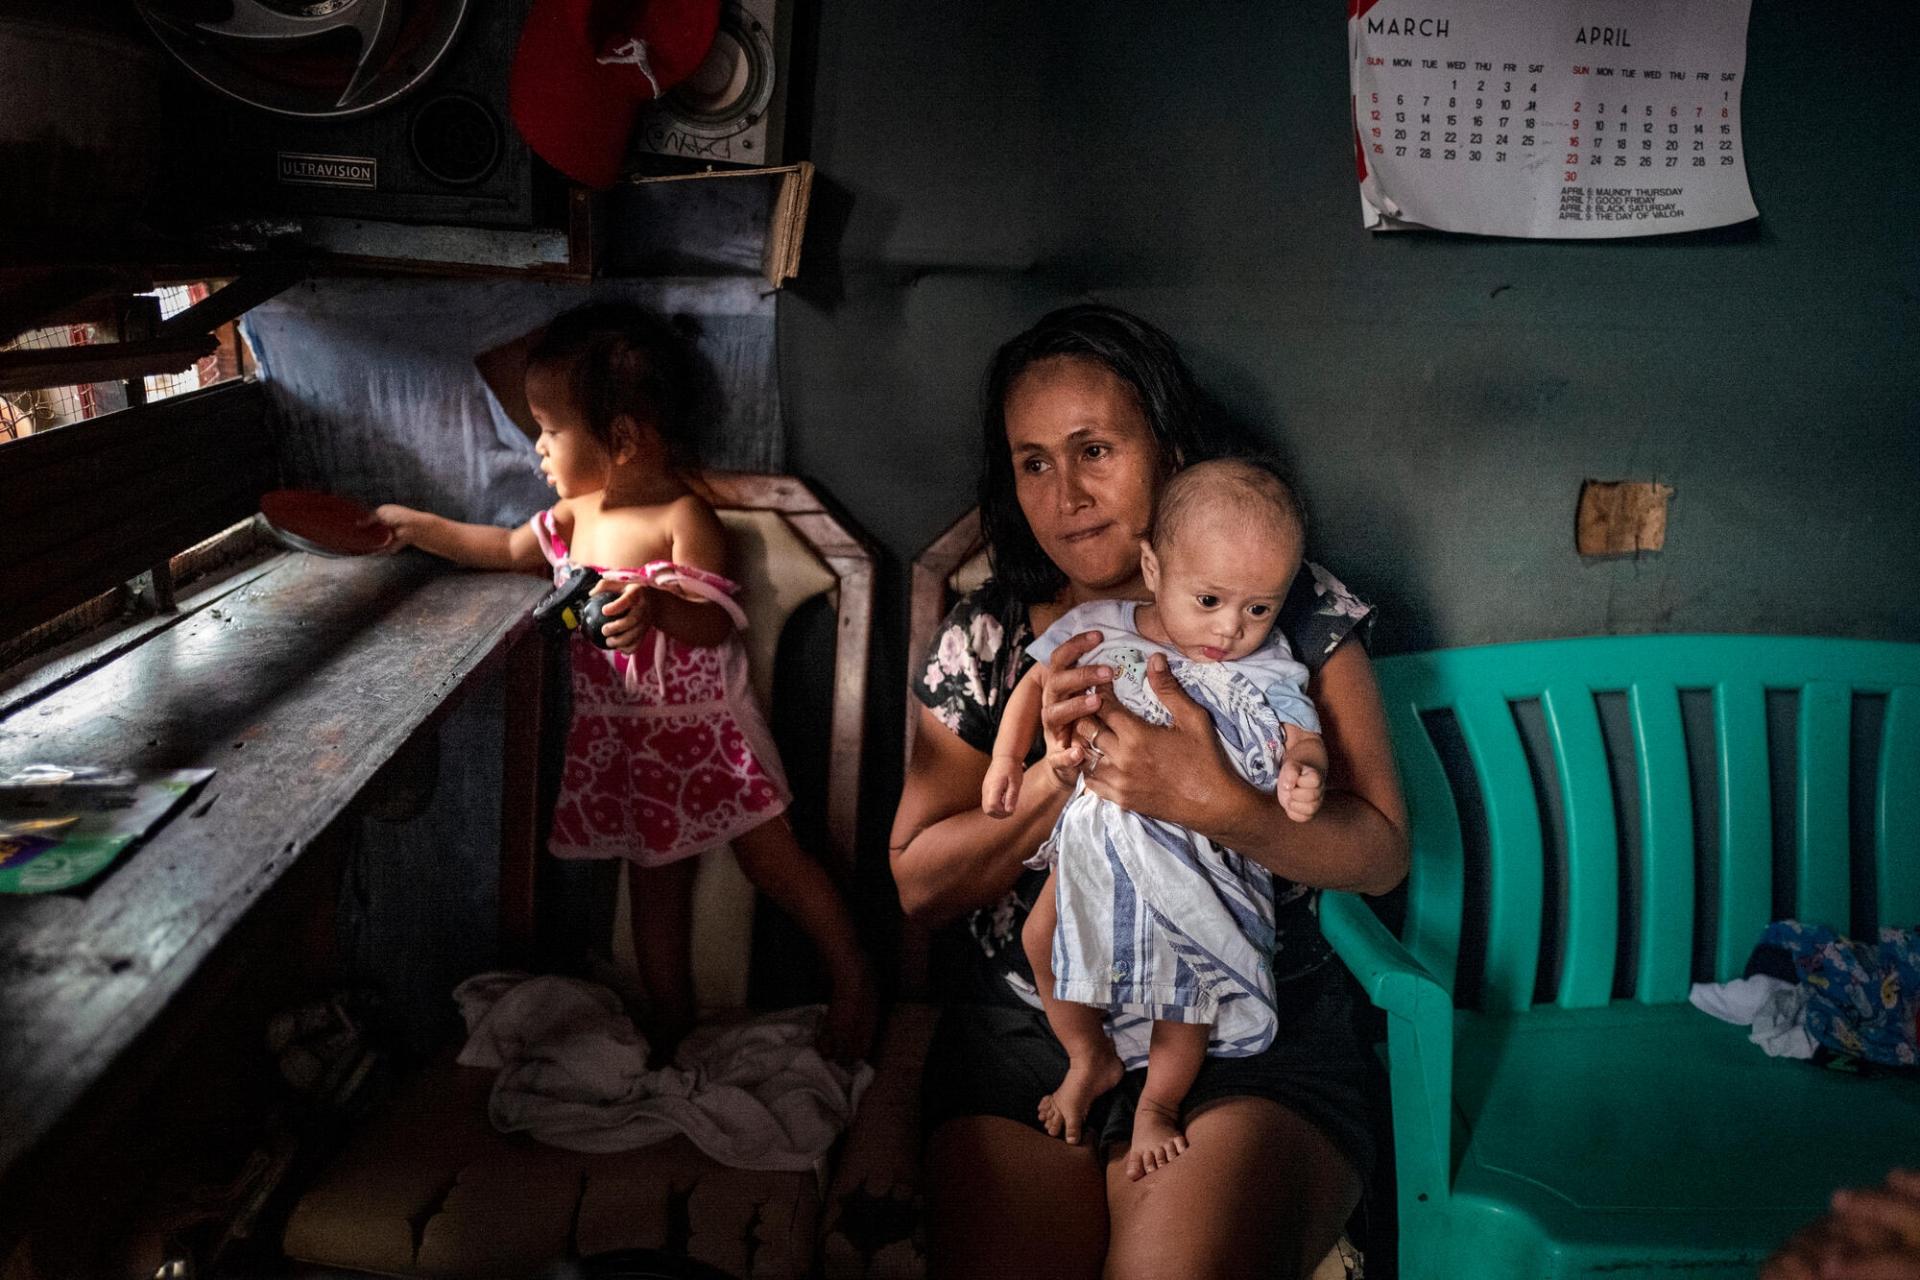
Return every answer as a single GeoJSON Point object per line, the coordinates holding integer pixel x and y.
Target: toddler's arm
{"type": "Point", "coordinates": [1000, 792]}
{"type": "Point", "coordinates": [1303, 774]}
{"type": "Point", "coordinates": [477, 546]}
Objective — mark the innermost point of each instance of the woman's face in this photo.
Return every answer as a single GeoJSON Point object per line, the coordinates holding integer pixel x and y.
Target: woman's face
{"type": "Point", "coordinates": [1086, 470]}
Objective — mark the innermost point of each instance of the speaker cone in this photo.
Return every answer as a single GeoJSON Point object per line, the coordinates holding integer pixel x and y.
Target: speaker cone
{"type": "Point", "coordinates": [455, 139]}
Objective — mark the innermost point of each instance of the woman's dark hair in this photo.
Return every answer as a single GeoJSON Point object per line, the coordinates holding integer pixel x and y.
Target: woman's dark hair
{"type": "Point", "coordinates": [1142, 357]}
{"type": "Point", "coordinates": [622, 358]}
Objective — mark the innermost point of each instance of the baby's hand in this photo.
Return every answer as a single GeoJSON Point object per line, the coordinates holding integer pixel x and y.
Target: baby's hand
{"type": "Point", "coordinates": [1301, 789]}
{"type": "Point", "coordinates": [629, 617]}
{"type": "Point", "coordinates": [1000, 793]}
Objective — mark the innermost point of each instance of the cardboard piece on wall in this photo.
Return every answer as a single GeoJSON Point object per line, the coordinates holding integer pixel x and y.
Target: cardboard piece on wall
{"type": "Point", "coordinates": [1621, 517]}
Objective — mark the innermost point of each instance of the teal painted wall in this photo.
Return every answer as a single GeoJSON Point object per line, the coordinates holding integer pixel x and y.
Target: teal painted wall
{"type": "Point", "coordinates": [1440, 399]}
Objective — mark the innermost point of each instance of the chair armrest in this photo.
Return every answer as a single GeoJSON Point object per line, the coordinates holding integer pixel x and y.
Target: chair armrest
{"type": "Point", "coordinates": [1385, 969]}
{"type": "Point", "coordinates": [1419, 1044]}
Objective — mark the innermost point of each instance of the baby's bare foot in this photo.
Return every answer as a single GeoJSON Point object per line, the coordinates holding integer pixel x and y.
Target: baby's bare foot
{"type": "Point", "coordinates": [1063, 1112]}
{"type": "Point", "coordinates": [1157, 1139]}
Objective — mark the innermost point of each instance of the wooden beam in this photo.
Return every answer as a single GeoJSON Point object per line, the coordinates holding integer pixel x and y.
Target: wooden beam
{"type": "Point", "coordinates": [108, 362]}
{"type": "Point", "coordinates": [99, 502]}
{"type": "Point", "coordinates": [234, 300]}
{"type": "Point", "coordinates": [61, 296]}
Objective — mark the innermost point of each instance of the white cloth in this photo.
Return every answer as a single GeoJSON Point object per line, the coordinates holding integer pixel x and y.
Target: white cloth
{"type": "Point", "coordinates": [1775, 1009]}
{"type": "Point", "coordinates": [574, 1074]}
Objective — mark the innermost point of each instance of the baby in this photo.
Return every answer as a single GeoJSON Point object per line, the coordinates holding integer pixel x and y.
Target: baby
{"type": "Point", "coordinates": [1143, 920]}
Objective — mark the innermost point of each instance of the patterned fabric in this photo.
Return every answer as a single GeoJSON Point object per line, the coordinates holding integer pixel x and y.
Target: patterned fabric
{"type": "Point", "coordinates": [1863, 998]}
{"type": "Point", "coordinates": [667, 755]}
{"type": "Point", "coordinates": [973, 663]}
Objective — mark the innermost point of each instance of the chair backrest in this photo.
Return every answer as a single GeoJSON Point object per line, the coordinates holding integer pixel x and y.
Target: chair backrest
{"type": "Point", "coordinates": [952, 565]}
{"type": "Point", "coordinates": [787, 549]}
{"type": "Point", "coordinates": [1606, 816]}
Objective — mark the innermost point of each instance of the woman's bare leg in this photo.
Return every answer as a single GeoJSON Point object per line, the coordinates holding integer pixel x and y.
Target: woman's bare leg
{"type": "Point", "coordinates": [1092, 1065]}
{"type": "Point", "coordinates": [1260, 1193]}
{"type": "Point", "coordinates": [1174, 1056]}
{"type": "Point", "coordinates": [1008, 1202]}
{"type": "Point", "coordinates": [661, 899]}
{"type": "Point", "coordinates": [778, 867]}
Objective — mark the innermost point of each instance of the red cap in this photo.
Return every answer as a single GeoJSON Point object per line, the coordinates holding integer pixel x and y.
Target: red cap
{"type": "Point", "coordinates": [585, 67]}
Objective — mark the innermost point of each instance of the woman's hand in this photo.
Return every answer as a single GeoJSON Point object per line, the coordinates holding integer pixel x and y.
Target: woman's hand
{"type": "Point", "coordinates": [1068, 706]}
{"type": "Point", "coordinates": [1175, 773]}
{"type": "Point", "coordinates": [630, 615]}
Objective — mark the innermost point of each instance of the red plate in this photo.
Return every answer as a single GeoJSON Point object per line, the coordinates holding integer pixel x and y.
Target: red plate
{"type": "Point", "coordinates": [323, 523]}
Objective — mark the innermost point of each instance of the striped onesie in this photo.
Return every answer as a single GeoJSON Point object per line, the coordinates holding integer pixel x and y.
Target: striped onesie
{"type": "Point", "coordinates": [1156, 922]}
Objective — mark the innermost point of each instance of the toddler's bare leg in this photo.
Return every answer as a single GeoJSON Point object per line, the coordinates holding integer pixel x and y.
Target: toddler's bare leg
{"type": "Point", "coordinates": [778, 867]}
{"type": "Point", "coordinates": [662, 911]}
{"type": "Point", "coordinates": [1092, 1065]}
{"type": "Point", "coordinates": [1173, 1059]}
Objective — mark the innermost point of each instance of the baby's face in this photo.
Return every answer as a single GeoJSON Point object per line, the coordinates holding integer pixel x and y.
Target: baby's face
{"type": "Point", "coordinates": [1220, 586]}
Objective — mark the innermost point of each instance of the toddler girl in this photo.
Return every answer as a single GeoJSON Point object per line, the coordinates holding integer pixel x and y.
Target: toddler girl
{"type": "Point", "coordinates": [1140, 919]}
{"type": "Point", "coordinates": [667, 756]}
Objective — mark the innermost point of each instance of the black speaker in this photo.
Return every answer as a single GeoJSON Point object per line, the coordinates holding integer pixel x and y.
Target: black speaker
{"type": "Point", "coordinates": [349, 118]}
{"type": "Point", "coordinates": [733, 109]}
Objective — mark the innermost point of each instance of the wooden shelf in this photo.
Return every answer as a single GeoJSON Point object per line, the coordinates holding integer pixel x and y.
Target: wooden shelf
{"type": "Point", "coordinates": [296, 680]}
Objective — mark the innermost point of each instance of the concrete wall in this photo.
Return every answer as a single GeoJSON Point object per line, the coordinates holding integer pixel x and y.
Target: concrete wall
{"type": "Point", "coordinates": [1440, 399]}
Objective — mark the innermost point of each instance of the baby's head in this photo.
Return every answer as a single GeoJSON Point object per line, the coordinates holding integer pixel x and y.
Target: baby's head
{"type": "Point", "coordinates": [1227, 540]}
{"type": "Point", "coordinates": [605, 381]}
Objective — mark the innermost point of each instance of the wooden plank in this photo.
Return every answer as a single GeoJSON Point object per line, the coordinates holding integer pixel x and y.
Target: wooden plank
{"type": "Point", "coordinates": [1593, 847]}
{"type": "Point", "coordinates": [297, 689]}
{"type": "Point", "coordinates": [104, 362]}
{"type": "Point", "coordinates": [855, 631]}
{"type": "Point", "coordinates": [98, 502]}
{"type": "Point", "coordinates": [62, 295]}
{"type": "Point", "coordinates": [230, 302]}
{"type": "Point", "coordinates": [150, 428]}
{"type": "Point", "coordinates": [520, 797]}
{"type": "Point", "coordinates": [90, 495]}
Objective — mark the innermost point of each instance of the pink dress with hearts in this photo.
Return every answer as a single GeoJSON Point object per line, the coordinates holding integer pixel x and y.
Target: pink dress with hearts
{"type": "Point", "coordinates": [668, 755]}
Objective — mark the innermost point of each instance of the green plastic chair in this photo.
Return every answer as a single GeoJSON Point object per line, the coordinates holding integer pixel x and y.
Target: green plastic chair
{"type": "Point", "coordinates": [1580, 1134]}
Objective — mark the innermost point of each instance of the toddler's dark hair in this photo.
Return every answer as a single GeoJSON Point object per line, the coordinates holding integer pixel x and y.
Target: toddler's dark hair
{"type": "Point", "coordinates": [620, 358]}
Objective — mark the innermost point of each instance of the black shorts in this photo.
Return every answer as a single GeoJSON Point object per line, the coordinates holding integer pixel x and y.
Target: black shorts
{"type": "Point", "coordinates": [1001, 1059]}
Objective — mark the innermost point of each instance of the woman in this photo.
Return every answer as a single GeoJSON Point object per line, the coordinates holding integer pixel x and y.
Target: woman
{"type": "Point", "coordinates": [1086, 414]}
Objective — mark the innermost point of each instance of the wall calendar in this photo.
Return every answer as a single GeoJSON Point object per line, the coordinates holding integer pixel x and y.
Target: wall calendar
{"type": "Point", "coordinates": [1558, 119]}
